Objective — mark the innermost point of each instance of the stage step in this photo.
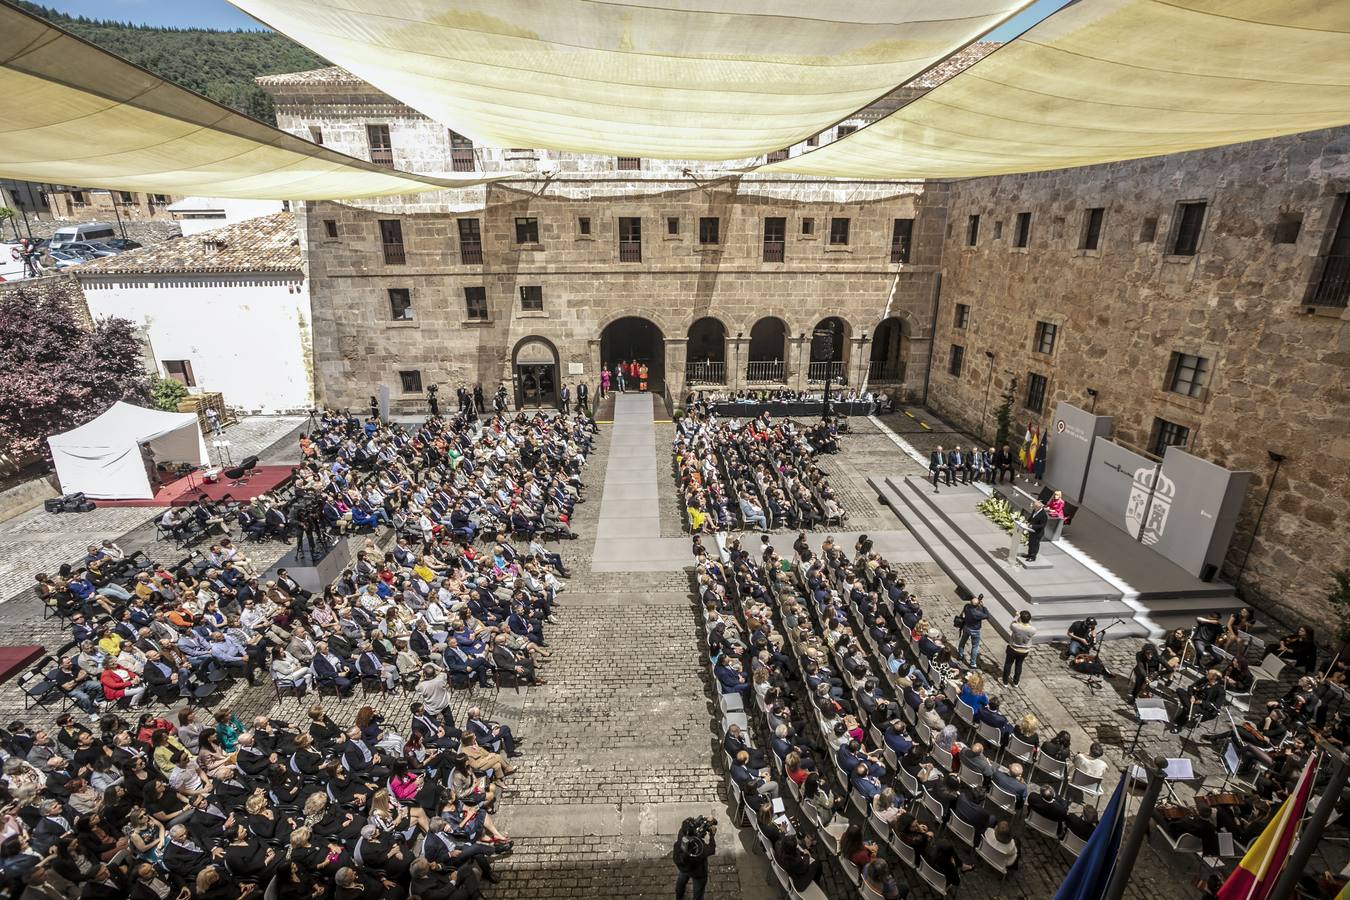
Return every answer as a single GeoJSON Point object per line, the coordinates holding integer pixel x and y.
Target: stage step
{"type": "Point", "coordinates": [978, 573]}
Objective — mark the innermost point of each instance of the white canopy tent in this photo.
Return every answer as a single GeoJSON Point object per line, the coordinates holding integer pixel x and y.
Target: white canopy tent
{"type": "Point", "coordinates": [103, 458]}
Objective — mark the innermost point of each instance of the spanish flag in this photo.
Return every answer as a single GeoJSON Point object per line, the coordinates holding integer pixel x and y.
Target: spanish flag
{"type": "Point", "coordinates": [1256, 875]}
{"type": "Point", "coordinates": [1026, 442]}
{"type": "Point", "coordinates": [1031, 451]}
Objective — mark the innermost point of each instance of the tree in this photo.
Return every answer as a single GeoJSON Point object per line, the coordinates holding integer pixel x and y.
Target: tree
{"type": "Point", "coordinates": [8, 215]}
{"type": "Point", "coordinates": [167, 392]}
{"type": "Point", "coordinates": [1003, 415]}
{"type": "Point", "coordinates": [58, 374]}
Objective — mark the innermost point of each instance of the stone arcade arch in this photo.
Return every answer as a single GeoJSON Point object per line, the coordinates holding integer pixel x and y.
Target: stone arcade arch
{"type": "Point", "coordinates": [535, 372]}
{"type": "Point", "coordinates": [635, 338]}
{"type": "Point", "coordinates": [705, 360]}
{"type": "Point", "coordinates": [767, 355]}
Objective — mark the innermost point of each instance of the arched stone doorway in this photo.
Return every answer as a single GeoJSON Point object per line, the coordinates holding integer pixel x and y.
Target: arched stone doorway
{"type": "Point", "coordinates": [890, 349]}
{"type": "Point", "coordinates": [829, 354]}
{"type": "Point", "coordinates": [634, 338]}
{"type": "Point", "coordinates": [705, 360]}
{"type": "Point", "coordinates": [768, 351]}
{"type": "Point", "coordinates": [534, 372]}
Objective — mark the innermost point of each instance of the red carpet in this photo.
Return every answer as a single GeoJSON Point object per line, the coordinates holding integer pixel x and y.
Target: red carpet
{"type": "Point", "coordinates": [181, 493]}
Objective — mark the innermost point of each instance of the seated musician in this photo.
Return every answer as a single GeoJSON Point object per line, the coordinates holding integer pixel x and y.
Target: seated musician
{"type": "Point", "coordinates": [1203, 699]}
{"type": "Point", "coordinates": [1179, 820]}
{"type": "Point", "coordinates": [1174, 649]}
{"type": "Point", "coordinates": [1299, 649]}
{"type": "Point", "coordinates": [1300, 702]}
{"type": "Point", "coordinates": [1082, 636]}
{"type": "Point", "coordinates": [1237, 676]}
{"type": "Point", "coordinates": [1147, 667]}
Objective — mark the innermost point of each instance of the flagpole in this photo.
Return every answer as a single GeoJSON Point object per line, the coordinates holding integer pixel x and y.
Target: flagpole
{"type": "Point", "coordinates": [1129, 851]}
{"type": "Point", "coordinates": [1312, 832]}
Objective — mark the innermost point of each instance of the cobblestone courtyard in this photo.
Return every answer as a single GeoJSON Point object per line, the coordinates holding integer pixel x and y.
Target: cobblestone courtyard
{"type": "Point", "coordinates": [620, 743]}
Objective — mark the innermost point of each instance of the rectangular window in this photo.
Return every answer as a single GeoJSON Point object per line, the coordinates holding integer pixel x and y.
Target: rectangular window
{"type": "Point", "coordinates": [400, 304]}
{"type": "Point", "coordinates": [1190, 218]}
{"type": "Point", "coordinates": [709, 230]}
{"type": "Point", "coordinates": [813, 140]}
{"type": "Point", "coordinates": [381, 150]}
{"type": "Point", "coordinates": [1148, 230]}
{"type": "Point", "coordinates": [844, 131]}
{"type": "Point", "coordinates": [775, 236]}
{"type": "Point", "coordinates": [475, 304]}
{"type": "Point", "coordinates": [955, 360]}
{"type": "Point", "coordinates": [391, 238]}
{"type": "Point", "coordinates": [1190, 375]}
{"type": "Point", "coordinates": [1092, 228]}
{"type": "Point", "coordinates": [79, 198]}
{"type": "Point", "coordinates": [776, 156]}
{"type": "Point", "coordinates": [583, 225]}
{"type": "Point", "coordinates": [808, 226]}
{"type": "Point", "coordinates": [972, 230]}
{"type": "Point", "coordinates": [1287, 228]}
{"type": "Point", "coordinates": [461, 153]}
{"type": "Point", "coordinates": [160, 198]}
{"type": "Point", "coordinates": [470, 242]}
{"type": "Point", "coordinates": [839, 232]}
{"type": "Point", "coordinates": [1045, 337]}
{"type": "Point", "coordinates": [630, 239]}
{"type": "Point", "coordinates": [962, 315]}
{"type": "Point", "coordinates": [1331, 288]}
{"type": "Point", "coordinates": [412, 381]}
{"type": "Point", "coordinates": [180, 370]}
{"type": "Point", "coordinates": [672, 225]}
{"type": "Point", "coordinates": [527, 231]}
{"type": "Point", "coordinates": [629, 163]}
{"type": "Point", "coordinates": [1036, 385]}
{"type": "Point", "coordinates": [126, 197]}
{"type": "Point", "coordinates": [902, 233]}
{"type": "Point", "coordinates": [1022, 233]}
{"type": "Point", "coordinates": [316, 134]}
{"type": "Point", "coordinates": [998, 229]}
{"type": "Point", "coordinates": [1167, 434]}
{"type": "Point", "coordinates": [531, 298]}
{"type": "Point", "coordinates": [330, 228]}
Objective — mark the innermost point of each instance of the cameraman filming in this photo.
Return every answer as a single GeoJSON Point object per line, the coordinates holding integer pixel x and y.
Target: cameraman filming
{"type": "Point", "coordinates": [696, 842]}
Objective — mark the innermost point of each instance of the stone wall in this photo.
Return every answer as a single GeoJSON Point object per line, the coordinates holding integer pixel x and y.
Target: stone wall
{"type": "Point", "coordinates": [358, 346]}
{"type": "Point", "coordinates": [1277, 371]}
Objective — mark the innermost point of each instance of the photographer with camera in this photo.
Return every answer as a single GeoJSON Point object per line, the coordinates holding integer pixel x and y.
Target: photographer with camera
{"type": "Point", "coordinates": [696, 842]}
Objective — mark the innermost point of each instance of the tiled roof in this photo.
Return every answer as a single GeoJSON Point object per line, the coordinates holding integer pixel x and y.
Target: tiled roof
{"type": "Point", "coordinates": [328, 75]}
{"type": "Point", "coordinates": [265, 244]}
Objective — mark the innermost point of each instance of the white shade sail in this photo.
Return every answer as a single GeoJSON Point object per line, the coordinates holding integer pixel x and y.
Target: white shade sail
{"type": "Point", "coordinates": [669, 79]}
{"type": "Point", "coordinates": [71, 113]}
{"type": "Point", "coordinates": [1107, 80]}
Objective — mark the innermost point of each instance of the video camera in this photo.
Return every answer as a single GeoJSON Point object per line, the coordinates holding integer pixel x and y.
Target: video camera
{"type": "Point", "coordinates": [695, 836]}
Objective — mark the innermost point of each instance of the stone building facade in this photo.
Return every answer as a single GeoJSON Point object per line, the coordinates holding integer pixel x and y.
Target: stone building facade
{"type": "Point", "coordinates": [1199, 299]}
{"type": "Point", "coordinates": [583, 258]}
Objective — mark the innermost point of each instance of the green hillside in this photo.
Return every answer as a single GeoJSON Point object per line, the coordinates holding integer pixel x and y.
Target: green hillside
{"type": "Point", "coordinates": [219, 64]}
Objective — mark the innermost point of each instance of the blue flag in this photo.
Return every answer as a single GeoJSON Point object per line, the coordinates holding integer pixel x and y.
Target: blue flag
{"type": "Point", "coordinates": [1091, 872]}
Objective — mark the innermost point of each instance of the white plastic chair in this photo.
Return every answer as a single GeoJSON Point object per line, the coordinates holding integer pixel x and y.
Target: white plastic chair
{"type": "Point", "coordinates": [1072, 842]}
{"type": "Point", "coordinates": [1038, 822]}
{"type": "Point", "coordinates": [942, 757]}
{"type": "Point", "coordinates": [997, 859]}
{"type": "Point", "coordinates": [936, 880]}
{"type": "Point", "coordinates": [962, 829]}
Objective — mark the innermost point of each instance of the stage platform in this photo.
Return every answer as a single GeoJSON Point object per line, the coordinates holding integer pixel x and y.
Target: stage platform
{"type": "Point", "coordinates": [189, 488]}
{"type": "Point", "coordinates": [1094, 569]}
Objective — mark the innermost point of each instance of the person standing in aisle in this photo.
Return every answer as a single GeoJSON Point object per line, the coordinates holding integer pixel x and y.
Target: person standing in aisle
{"type": "Point", "coordinates": [1021, 638]}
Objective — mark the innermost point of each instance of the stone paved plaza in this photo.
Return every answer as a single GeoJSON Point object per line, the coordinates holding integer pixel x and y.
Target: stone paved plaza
{"type": "Point", "coordinates": [621, 743]}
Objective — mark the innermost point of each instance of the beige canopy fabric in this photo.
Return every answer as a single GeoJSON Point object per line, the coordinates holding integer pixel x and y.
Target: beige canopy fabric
{"type": "Point", "coordinates": [1106, 80]}
{"type": "Point", "coordinates": [71, 113]}
{"type": "Point", "coordinates": [667, 79]}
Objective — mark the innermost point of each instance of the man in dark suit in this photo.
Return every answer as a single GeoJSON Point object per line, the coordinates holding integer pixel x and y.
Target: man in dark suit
{"type": "Point", "coordinates": [959, 464]}
{"type": "Point", "coordinates": [937, 463]}
{"type": "Point", "coordinates": [359, 760]}
{"type": "Point", "coordinates": [183, 857]}
{"type": "Point", "coordinates": [160, 678]}
{"type": "Point", "coordinates": [1037, 519]}
{"type": "Point", "coordinates": [505, 659]}
{"type": "Point", "coordinates": [330, 669]}
{"type": "Point", "coordinates": [1046, 804]}
{"type": "Point", "coordinates": [969, 808]}
{"type": "Point", "coordinates": [742, 774]}
{"type": "Point", "coordinates": [1013, 782]}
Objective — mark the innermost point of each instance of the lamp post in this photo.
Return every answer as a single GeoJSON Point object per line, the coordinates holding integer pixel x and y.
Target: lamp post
{"type": "Point", "coordinates": [1129, 850]}
{"type": "Point", "coordinates": [822, 343]}
{"type": "Point", "coordinates": [1092, 392]}
{"type": "Point", "coordinates": [984, 414]}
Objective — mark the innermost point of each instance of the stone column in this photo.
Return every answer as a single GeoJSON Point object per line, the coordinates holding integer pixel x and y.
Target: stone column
{"type": "Point", "coordinates": [859, 358]}
{"type": "Point", "coordinates": [676, 353]}
{"type": "Point", "coordinates": [738, 352]}
{"type": "Point", "coordinates": [799, 357]}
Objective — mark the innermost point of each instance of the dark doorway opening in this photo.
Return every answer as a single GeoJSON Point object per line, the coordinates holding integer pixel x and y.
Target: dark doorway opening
{"type": "Point", "coordinates": [636, 339]}
{"type": "Point", "coordinates": [536, 374]}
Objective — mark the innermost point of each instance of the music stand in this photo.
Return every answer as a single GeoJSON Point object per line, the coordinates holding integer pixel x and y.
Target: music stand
{"type": "Point", "coordinates": [1148, 709]}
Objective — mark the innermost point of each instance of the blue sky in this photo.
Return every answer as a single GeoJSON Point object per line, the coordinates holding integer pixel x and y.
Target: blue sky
{"type": "Point", "coordinates": [180, 13]}
{"type": "Point", "coordinates": [220, 14]}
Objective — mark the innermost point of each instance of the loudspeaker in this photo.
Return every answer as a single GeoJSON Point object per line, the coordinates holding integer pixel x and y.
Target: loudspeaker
{"type": "Point", "coordinates": [964, 593]}
{"type": "Point", "coordinates": [1208, 572]}
{"type": "Point", "coordinates": [1045, 495]}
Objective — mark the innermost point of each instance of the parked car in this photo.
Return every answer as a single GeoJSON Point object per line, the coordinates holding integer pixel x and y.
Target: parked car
{"type": "Point", "coordinates": [104, 247]}
{"type": "Point", "coordinates": [88, 249]}
{"type": "Point", "coordinates": [121, 244]}
{"type": "Point", "coordinates": [63, 260]}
